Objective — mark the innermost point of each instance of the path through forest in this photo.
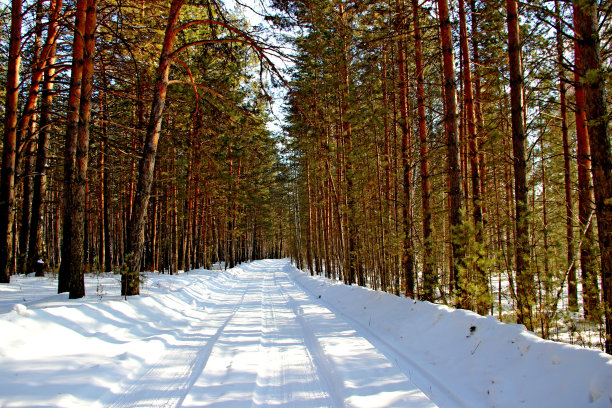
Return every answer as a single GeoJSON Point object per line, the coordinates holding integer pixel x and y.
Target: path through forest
{"type": "Point", "coordinates": [266, 334]}
{"type": "Point", "coordinates": [268, 343]}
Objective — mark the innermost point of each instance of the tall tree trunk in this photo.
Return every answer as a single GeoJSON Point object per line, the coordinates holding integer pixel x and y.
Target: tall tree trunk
{"type": "Point", "coordinates": [309, 226]}
{"type": "Point", "coordinates": [70, 144]}
{"type": "Point", "coordinates": [408, 252]}
{"type": "Point", "coordinates": [130, 284]}
{"type": "Point", "coordinates": [351, 227]}
{"type": "Point", "coordinates": [429, 275]}
{"type": "Point", "coordinates": [586, 27]}
{"type": "Point", "coordinates": [524, 276]}
{"type": "Point", "coordinates": [78, 188]}
{"type": "Point", "coordinates": [26, 199]}
{"type": "Point", "coordinates": [572, 287]}
{"type": "Point", "coordinates": [588, 263]}
{"type": "Point", "coordinates": [44, 133]}
{"type": "Point", "coordinates": [451, 127]}
{"type": "Point", "coordinates": [7, 175]}
{"type": "Point", "coordinates": [482, 287]}
{"type": "Point", "coordinates": [28, 147]}
{"type": "Point", "coordinates": [106, 259]}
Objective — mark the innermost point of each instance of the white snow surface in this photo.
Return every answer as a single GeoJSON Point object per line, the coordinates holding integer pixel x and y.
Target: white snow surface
{"type": "Point", "coordinates": [266, 334]}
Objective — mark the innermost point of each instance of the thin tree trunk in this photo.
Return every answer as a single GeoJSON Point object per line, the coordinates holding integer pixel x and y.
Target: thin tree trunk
{"type": "Point", "coordinates": [7, 176]}
{"type": "Point", "coordinates": [408, 252]}
{"type": "Point", "coordinates": [105, 194]}
{"type": "Point", "coordinates": [482, 287]}
{"type": "Point", "coordinates": [572, 287]}
{"type": "Point", "coordinates": [351, 228]}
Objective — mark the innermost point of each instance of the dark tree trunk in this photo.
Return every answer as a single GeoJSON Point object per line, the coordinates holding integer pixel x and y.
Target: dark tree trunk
{"type": "Point", "coordinates": [524, 276]}
{"type": "Point", "coordinates": [594, 82]}
{"type": "Point", "coordinates": [429, 276]}
{"type": "Point", "coordinates": [44, 134]}
{"type": "Point", "coordinates": [106, 244]}
{"type": "Point", "coordinates": [451, 127]}
{"type": "Point", "coordinates": [408, 251]}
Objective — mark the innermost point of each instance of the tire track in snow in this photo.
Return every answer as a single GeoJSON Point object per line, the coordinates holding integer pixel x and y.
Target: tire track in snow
{"type": "Point", "coordinates": [154, 389]}
{"type": "Point", "coordinates": [228, 378]}
{"type": "Point", "coordinates": [324, 369]}
{"type": "Point", "coordinates": [430, 385]}
{"type": "Point", "coordinates": [288, 375]}
{"type": "Point", "coordinates": [360, 374]}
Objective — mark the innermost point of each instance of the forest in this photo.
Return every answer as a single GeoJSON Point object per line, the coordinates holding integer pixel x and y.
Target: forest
{"type": "Point", "coordinates": [456, 152]}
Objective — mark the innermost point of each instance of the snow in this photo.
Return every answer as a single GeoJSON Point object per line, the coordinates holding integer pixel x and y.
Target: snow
{"type": "Point", "coordinates": [266, 334]}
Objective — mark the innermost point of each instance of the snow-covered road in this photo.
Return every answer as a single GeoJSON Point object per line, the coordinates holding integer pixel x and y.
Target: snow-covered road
{"type": "Point", "coordinates": [266, 334]}
{"type": "Point", "coordinates": [267, 342]}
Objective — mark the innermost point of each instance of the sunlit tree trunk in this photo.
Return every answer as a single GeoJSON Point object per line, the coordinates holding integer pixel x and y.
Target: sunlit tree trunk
{"type": "Point", "coordinates": [130, 284]}
{"type": "Point", "coordinates": [77, 189]}
{"type": "Point", "coordinates": [70, 144]}
{"type": "Point", "coordinates": [7, 175]}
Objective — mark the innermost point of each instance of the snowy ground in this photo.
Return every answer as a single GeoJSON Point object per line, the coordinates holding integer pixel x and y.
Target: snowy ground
{"type": "Point", "coordinates": [265, 334]}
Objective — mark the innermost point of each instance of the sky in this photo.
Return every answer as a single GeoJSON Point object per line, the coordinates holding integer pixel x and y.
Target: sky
{"type": "Point", "coordinates": [252, 10]}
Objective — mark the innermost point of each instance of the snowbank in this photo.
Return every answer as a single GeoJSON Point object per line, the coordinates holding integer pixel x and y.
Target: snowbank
{"type": "Point", "coordinates": [481, 360]}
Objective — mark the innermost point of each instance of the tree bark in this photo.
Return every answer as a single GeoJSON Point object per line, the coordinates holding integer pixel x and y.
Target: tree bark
{"type": "Point", "coordinates": [588, 263]}
{"type": "Point", "coordinates": [70, 144]}
{"type": "Point", "coordinates": [408, 251]}
{"type": "Point", "coordinates": [594, 82]}
{"type": "Point", "coordinates": [451, 128]}
{"type": "Point", "coordinates": [7, 175]}
{"type": "Point", "coordinates": [572, 287]}
{"type": "Point", "coordinates": [482, 286]}
{"type": "Point", "coordinates": [78, 188]}
{"type": "Point", "coordinates": [524, 276]}
{"type": "Point", "coordinates": [130, 284]}
{"type": "Point", "coordinates": [430, 278]}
